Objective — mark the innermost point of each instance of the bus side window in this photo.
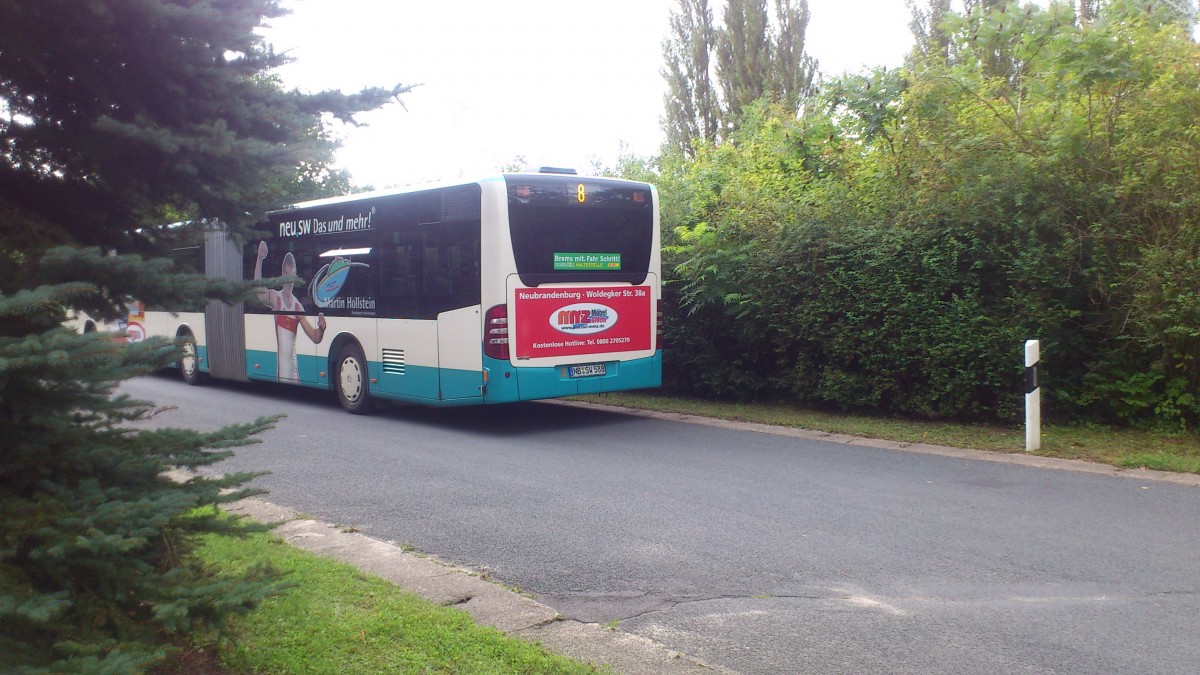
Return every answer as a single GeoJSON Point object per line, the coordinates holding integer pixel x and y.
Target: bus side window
{"type": "Point", "coordinates": [464, 273]}
{"type": "Point", "coordinates": [400, 274]}
{"type": "Point", "coordinates": [436, 277]}
{"type": "Point", "coordinates": [450, 267]}
{"type": "Point", "coordinates": [307, 264]}
{"type": "Point", "coordinates": [188, 259]}
{"type": "Point", "coordinates": [466, 269]}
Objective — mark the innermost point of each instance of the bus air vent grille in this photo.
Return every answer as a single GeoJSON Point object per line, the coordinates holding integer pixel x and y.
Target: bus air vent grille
{"type": "Point", "coordinates": [393, 361]}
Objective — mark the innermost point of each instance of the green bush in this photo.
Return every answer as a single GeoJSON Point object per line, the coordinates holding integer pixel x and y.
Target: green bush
{"type": "Point", "coordinates": [893, 248]}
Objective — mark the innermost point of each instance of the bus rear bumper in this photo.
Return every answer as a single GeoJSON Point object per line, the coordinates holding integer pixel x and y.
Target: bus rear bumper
{"type": "Point", "coordinates": [506, 383]}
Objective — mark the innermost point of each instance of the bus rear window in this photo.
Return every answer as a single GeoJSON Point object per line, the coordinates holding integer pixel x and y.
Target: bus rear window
{"type": "Point", "coordinates": [568, 229]}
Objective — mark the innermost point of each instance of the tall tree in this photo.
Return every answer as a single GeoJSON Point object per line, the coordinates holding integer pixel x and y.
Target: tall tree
{"type": "Point", "coordinates": [931, 36]}
{"type": "Point", "coordinates": [751, 58]}
{"type": "Point", "coordinates": [794, 71]}
{"type": "Point", "coordinates": [743, 55]}
{"type": "Point", "coordinates": [692, 113]}
{"type": "Point", "coordinates": [987, 33]}
{"type": "Point", "coordinates": [119, 108]}
{"type": "Point", "coordinates": [117, 116]}
{"type": "Point", "coordinates": [1180, 12]}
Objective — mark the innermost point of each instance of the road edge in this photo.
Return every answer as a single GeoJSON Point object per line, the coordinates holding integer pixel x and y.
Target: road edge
{"type": "Point", "coordinates": [1077, 465]}
{"type": "Point", "coordinates": [489, 603]}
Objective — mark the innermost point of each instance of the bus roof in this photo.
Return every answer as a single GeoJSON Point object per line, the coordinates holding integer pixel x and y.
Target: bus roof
{"type": "Point", "coordinates": [329, 201]}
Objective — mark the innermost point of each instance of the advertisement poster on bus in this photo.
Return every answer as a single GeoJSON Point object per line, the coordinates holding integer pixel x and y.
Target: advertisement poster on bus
{"type": "Point", "coordinates": [553, 322]}
{"type": "Point", "coordinates": [135, 322]}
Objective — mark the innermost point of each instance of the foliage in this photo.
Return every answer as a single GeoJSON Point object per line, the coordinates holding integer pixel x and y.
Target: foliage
{"type": "Point", "coordinates": [926, 26]}
{"type": "Point", "coordinates": [119, 117]}
{"type": "Point", "coordinates": [691, 101]}
{"type": "Point", "coordinates": [119, 110]}
{"type": "Point", "coordinates": [90, 569]}
{"type": "Point", "coordinates": [893, 247]}
{"type": "Point", "coordinates": [751, 56]}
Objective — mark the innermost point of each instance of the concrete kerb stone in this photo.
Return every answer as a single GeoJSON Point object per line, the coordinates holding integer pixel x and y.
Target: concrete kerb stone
{"type": "Point", "coordinates": [488, 603]}
{"type": "Point", "coordinates": [623, 652]}
{"type": "Point", "coordinates": [924, 448]}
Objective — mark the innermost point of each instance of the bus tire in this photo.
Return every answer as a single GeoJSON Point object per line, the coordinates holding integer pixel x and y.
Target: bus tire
{"type": "Point", "coordinates": [350, 380]}
{"type": "Point", "coordinates": [188, 363]}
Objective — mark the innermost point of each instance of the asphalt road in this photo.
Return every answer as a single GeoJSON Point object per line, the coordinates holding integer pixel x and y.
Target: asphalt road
{"type": "Point", "coordinates": [760, 553]}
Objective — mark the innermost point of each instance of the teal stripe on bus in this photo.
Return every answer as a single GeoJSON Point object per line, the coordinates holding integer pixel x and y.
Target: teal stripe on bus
{"type": "Point", "coordinates": [505, 384]}
{"type": "Point", "coordinates": [263, 366]}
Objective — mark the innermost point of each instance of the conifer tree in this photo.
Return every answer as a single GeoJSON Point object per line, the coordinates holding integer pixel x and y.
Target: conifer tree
{"type": "Point", "coordinates": [117, 116]}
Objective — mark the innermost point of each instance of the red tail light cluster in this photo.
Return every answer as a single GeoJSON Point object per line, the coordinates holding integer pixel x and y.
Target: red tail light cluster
{"type": "Point", "coordinates": [495, 333]}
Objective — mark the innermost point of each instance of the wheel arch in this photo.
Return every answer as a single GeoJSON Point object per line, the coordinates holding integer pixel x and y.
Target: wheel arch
{"type": "Point", "coordinates": [335, 348]}
{"type": "Point", "coordinates": [185, 342]}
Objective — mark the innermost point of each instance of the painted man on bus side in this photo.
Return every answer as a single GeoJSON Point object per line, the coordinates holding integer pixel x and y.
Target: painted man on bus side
{"type": "Point", "coordinates": [288, 323]}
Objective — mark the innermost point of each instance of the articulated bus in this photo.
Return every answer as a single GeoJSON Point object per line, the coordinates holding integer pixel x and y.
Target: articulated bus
{"type": "Point", "coordinates": [511, 288]}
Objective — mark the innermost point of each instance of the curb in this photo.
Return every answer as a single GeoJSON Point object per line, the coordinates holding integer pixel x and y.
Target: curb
{"type": "Point", "coordinates": [1022, 459]}
{"type": "Point", "coordinates": [488, 603]}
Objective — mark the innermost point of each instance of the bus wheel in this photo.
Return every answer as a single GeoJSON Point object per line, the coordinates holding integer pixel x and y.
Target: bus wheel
{"type": "Point", "coordinates": [189, 366]}
{"type": "Point", "coordinates": [351, 380]}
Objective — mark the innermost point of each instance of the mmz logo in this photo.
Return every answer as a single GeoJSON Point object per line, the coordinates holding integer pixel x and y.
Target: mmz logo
{"type": "Point", "coordinates": [583, 318]}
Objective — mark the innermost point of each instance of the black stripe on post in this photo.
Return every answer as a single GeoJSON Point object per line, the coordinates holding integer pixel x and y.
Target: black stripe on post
{"type": "Point", "coordinates": [1031, 379]}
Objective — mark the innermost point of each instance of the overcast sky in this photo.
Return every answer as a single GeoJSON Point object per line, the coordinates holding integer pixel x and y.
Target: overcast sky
{"type": "Point", "coordinates": [557, 82]}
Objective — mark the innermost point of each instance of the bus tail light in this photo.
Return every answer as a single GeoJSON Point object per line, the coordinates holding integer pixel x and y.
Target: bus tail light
{"type": "Point", "coordinates": [495, 333]}
{"type": "Point", "coordinates": [658, 327]}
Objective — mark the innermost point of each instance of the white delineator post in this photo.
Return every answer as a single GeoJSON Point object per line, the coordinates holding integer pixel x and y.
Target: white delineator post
{"type": "Point", "coordinates": [1033, 397]}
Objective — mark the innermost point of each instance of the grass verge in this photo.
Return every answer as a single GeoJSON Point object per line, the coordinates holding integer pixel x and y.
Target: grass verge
{"type": "Point", "coordinates": [1119, 447]}
{"type": "Point", "coordinates": [339, 620]}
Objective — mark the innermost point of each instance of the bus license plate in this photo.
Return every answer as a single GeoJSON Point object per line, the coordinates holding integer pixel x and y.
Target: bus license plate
{"type": "Point", "coordinates": [591, 370]}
